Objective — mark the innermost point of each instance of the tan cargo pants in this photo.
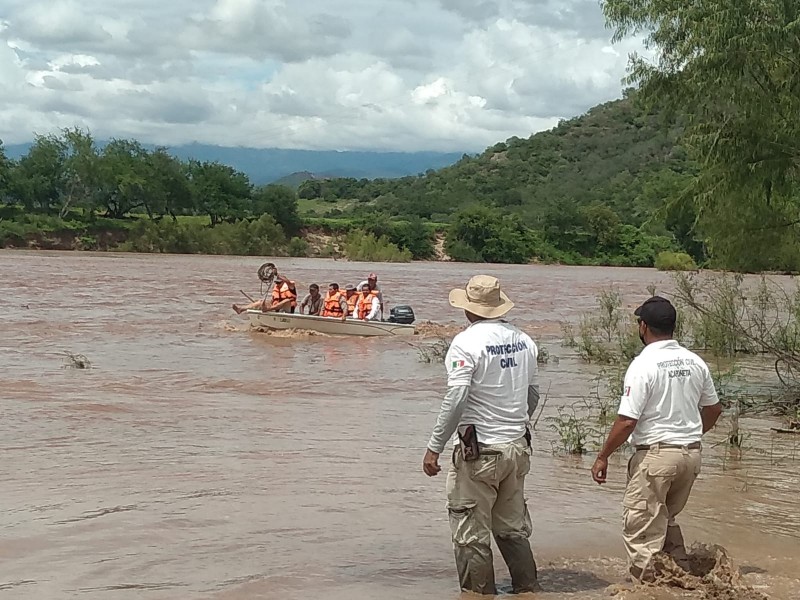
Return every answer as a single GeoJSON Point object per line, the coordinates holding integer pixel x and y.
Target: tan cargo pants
{"type": "Point", "coordinates": [659, 483]}
{"type": "Point", "coordinates": [486, 497]}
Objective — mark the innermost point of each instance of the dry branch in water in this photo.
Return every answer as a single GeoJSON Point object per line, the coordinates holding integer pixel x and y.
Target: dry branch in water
{"type": "Point", "coordinates": [76, 361]}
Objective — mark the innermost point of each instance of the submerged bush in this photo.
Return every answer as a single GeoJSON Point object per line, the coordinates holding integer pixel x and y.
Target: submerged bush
{"type": "Point", "coordinates": [675, 261]}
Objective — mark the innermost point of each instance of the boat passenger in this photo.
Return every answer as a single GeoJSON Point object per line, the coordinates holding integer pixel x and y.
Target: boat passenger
{"type": "Point", "coordinates": [369, 306]}
{"type": "Point", "coordinates": [351, 296]}
{"type": "Point", "coordinates": [372, 282]}
{"type": "Point", "coordinates": [313, 300]}
{"type": "Point", "coordinates": [284, 298]}
{"type": "Point", "coordinates": [335, 304]}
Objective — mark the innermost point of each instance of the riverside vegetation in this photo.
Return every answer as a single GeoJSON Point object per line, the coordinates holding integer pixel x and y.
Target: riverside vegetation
{"type": "Point", "coordinates": [698, 164]}
{"type": "Point", "coordinates": [723, 317]}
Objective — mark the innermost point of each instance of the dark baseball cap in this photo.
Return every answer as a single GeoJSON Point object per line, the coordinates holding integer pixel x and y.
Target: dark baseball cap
{"type": "Point", "coordinates": [657, 312]}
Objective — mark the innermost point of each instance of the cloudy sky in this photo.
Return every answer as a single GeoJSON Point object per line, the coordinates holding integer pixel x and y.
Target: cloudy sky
{"type": "Point", "coordinates": [449, 75]}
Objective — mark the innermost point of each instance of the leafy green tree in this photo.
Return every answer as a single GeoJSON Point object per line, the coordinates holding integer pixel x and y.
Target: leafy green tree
{"type": "Point", "coordinates": [281, 203]}
{"type": "Point", "coordinates": [168, 190]}
{"type": "Point", "coordinates": [126, 178]}
{"type": "Point", "coordinates": [310, 189]}
{"type": "Point", "coordinates": [415, 237]}
{"type": "Point", "coordinates": [81, 171]}
{"type": "Point", "coordinates": [6, 167]}
{"type": "Point", "coordinates": [39, 179]}
{"type": "Point", "coordinates": [730, 71]}
{"type": "Point", "coordinates": [493, 236]}
{"type": "Point", "coordinates": [219, 191]}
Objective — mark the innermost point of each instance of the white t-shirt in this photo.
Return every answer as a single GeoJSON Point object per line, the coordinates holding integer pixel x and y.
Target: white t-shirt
{"type": "Point", "coordinates": [665, 388]}
{"type": "Point", "coordinates": [498, 363]}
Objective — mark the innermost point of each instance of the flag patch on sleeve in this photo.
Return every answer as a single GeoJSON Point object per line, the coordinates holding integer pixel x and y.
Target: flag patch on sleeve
{"type": "Point", "coordinates": [458, 363]}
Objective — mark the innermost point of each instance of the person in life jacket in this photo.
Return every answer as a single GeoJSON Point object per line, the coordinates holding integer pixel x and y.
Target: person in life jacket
{"type": "Point", "coordinates": [372, 282]}
{"type": "Point", "coordinates": [284, 295]}
{"type": "Point", "coordinates": [369, 306]}
{"type": "Point", "coordinates": [351, 296]}
{"type": "Point", "coordinates": [284, 298]}
{"type": "Point", "coordinates": [335, 304]}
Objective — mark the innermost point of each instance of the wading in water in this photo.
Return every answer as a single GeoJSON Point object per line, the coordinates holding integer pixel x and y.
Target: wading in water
{"type": "Point", "coordinates": [492, 392]}
{"type": "Point", "coordinates": [668, 403]}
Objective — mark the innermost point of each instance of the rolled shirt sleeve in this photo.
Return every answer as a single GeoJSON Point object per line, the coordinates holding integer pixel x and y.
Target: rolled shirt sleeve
{"type": "Point", "coordinates": [634, 392]}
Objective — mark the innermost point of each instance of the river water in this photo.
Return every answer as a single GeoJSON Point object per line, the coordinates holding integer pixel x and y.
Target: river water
{"type": "Point", "coordinates": [197, 459]}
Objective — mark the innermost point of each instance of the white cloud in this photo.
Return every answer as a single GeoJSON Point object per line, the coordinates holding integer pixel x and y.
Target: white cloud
{"type": "Point", "coordinates": [455, 75]}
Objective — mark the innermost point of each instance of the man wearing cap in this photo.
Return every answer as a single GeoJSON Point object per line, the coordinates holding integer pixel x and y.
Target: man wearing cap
{"type": "Point", "coordinates": [668, 403]}
{"type": "Point", "coordinates": [492, 393]}
{"type": "Point", "coordinates": [372, 282]}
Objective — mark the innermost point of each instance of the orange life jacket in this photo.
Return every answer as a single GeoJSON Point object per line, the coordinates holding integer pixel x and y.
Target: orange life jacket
{"type": "Point", "coordinates": [332, 306]}
{"type": "Point", "coordinates": [281, 292]}
{"type": "Point", "coordinates": [352, 304]}
{"type": "Point", "coordinates": [365, 304]}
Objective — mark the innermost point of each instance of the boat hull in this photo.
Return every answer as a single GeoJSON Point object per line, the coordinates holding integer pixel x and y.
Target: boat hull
{"type": "Point", "coordinates": [327, 325]}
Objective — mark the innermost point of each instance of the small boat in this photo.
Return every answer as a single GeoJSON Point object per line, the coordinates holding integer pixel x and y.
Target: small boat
{"type": "Point", "coordinates": [329, 325]}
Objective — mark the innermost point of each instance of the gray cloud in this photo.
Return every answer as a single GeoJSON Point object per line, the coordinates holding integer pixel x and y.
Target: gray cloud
{"type": "Point", "coordinates": [347, 74]}
{"type": "Point", "coordinates": [473, 10]}
{"type": "Point", "coordinates": [266, 29]}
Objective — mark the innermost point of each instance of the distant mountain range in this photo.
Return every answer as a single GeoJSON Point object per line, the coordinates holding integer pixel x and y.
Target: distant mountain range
{"type": "Point", "coordinates": [271, 164]}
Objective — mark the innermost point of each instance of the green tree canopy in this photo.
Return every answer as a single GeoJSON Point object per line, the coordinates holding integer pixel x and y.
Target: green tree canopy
{"type": "Point", "coordinates": [730, 71]}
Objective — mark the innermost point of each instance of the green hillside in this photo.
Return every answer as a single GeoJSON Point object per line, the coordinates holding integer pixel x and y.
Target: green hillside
{"type": "Point", "coordinates": [590, 189]}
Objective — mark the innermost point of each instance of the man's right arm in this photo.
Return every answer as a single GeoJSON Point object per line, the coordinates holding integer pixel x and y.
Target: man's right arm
{"type": "Point", "coordinates": [533, 381]}
{"type": "Point", "coordinates": [710, 407]}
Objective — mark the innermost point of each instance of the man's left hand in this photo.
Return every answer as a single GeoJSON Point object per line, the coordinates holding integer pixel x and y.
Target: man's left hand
{"type": "Point", "coordinates": [430, 464]}
{"type": "Point", "coordinates": [600, 470]}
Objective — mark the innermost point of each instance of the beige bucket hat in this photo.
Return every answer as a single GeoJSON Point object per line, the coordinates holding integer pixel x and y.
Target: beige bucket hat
{"type": "Point", "coordinates": [482, 297]}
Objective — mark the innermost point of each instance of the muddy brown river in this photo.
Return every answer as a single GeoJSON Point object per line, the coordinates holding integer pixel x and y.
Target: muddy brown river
{"type": "Point", "coordinates": [199, 460]}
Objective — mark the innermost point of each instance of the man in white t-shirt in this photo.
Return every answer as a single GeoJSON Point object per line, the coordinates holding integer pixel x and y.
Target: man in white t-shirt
{"type": "Point", "coordinates": [492, 393]}
{"type": "Point", "coordinates": [668, 403]}
{"type": "Point", "coordinates": [372, 283]}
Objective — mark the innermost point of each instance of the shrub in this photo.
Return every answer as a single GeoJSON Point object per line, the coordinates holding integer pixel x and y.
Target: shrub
{"type": "Point", "coordinates": [493, 236]}
{"type": "Point", "coordinates": [675, 261]}
{"type": "Point", "coordinates": [298, 247]}
{"type": "Point", "coordinates": [362, 246]}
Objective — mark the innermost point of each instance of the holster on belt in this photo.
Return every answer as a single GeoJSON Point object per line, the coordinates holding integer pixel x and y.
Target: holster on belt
{"type": "Point", "coordinates": [469, 443]}
{"type": "Point", "coordinates": [528, 436]}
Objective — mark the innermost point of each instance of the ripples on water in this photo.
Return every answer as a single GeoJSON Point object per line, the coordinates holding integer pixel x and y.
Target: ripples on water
{"type": "Point", "coordinates": [198, 459]}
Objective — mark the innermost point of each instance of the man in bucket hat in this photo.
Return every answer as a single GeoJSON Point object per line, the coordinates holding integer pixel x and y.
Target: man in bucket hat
{"type": "Point", "coordinates": [492, 393]}
{"type": "Point", "coordinates": [668, 402]}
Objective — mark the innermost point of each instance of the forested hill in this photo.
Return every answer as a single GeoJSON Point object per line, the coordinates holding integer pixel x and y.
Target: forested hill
{"type": "Point", "coordinates": [613, 155]}
{"type": "Point", "coordinates": [577, 185]}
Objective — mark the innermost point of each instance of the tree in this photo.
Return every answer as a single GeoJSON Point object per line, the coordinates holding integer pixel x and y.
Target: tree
{"type": "Point", "coordinates": [168, 191]}
{"type": "Point", "coordinates": [280, 202]}
{"type": "Point", "coordinates": [39, 180]}
{"type": "Point", "coordinates": [415, 237]}
{"type": "Point", "coordinates": [126, 178]}
{"type": "Point", "coordinates": [310, 189]}
{"type": "Point", "coordinates": [5, 173]}
{"type": "Point", "coordinates": [730, 71]}
{"type": "Point", "coordinates": [81, 171]}
{"type": "Point", "coordinates": [219, 191]}
{"type": "Point", "coordinates": [493, 236]}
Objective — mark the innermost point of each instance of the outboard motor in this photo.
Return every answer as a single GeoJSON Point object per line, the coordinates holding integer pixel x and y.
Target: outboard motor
{"type": "Point", "coordinates": [401, 314]}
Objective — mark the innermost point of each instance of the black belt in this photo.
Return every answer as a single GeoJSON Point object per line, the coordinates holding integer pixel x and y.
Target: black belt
{"type": "Point", "coordinates": [692, 446]}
